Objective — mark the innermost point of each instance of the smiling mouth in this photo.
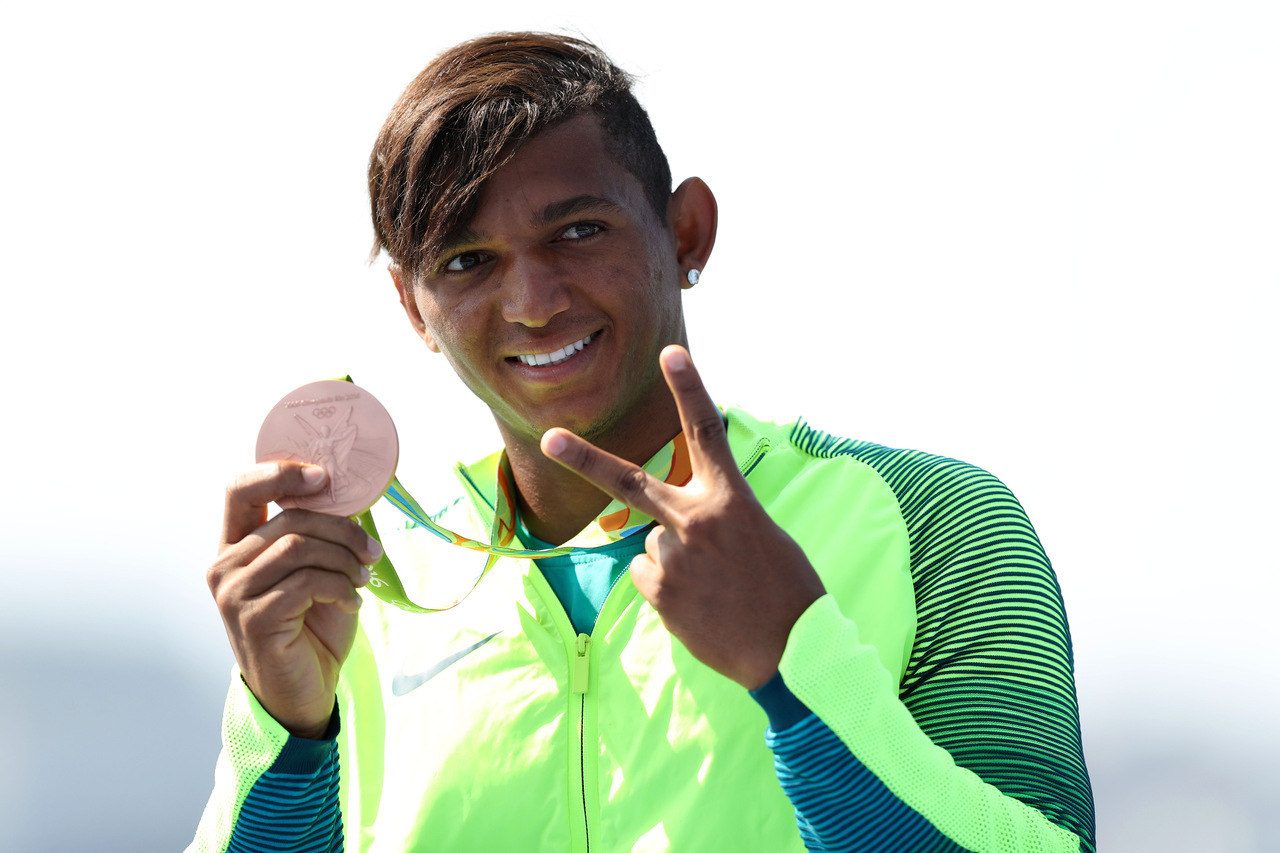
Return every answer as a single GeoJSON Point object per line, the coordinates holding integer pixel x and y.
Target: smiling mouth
{"type": "Point", "coordinates": [560, 356]}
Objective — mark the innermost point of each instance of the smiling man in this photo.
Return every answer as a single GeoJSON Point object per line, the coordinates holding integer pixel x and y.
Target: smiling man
{"type": "Point", "coordinates": [553, 303]}
{"type": "Point", "coordinates": [694, 630]}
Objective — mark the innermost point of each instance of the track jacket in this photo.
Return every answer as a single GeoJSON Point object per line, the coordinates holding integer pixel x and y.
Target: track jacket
{"type": "Point", "coordinates": [940, 657]}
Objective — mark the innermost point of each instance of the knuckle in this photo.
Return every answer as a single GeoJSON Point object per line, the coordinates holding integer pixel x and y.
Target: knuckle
{"type": "Point", "coordinates": [300, 578]}
{"type": "Point", "coordinates": [244, 485]}
{"type": "Point", "coordinates": [696, 525]}
{"type": "Point", "coordinates": [313, 583]}
{"type": "Point", "coordinates": [708, 428]}
{"type": "Point", "coordinates": [632, 481]}
{"type": "Point", "coordinates": [583, 459]}
{"type": "Point", "coordinates": [675, 563]}
{"type": "Point", "coordinates": [255, 618]}
{"type": "Point", "coordinates": [220, 574]}
{"type": "Point", "coordinates": [225, 599]}
{"type": "Point", "coordinates": [238, 484]}
{"type": "Point", "coordinates": [660, 592]}
{"type": "Point", "coordinates": [294, 518]}
{"type": "Point", "coordinates": [293, 545]}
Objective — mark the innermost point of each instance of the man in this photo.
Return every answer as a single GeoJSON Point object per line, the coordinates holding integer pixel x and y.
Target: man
{"type": "Point", "coordinates": [888, 615]}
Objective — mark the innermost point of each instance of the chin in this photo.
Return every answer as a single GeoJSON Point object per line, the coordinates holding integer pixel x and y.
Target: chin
{"type": "Point", "coordinates": [590, 427]}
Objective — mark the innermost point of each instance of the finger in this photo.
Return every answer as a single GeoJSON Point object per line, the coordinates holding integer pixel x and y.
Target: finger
{"type": "Point", "coordinates": [249, 494]}
{"type": "Point", "coordinates": [653, 541]}
{"type": "Point", "coordinates": [616, 477]}
{"type": "Point", "coordinates": [702, 422]}
{"type": "Point", "coordinates": [318, 525]}
{"type": "Point", "coordinates": [236, 572]}
{"type": "Point", "coordinates": [295, 595]}
{"type": "Point", "coordinates": [643, 572]}
{"type": "Point", "coordinates": [294, 552]}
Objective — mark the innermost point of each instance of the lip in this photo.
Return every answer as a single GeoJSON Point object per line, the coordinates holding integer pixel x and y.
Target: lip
{"type": "Point", "coordinates": [565, 370]}
{"type": "Point", "coordinates": [557, 353]}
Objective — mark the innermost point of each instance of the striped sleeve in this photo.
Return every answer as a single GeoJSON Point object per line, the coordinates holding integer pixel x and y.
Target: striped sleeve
{"type": "Point", "coordinates": [981, 738]}
{"type": "Point", "coordinates": [293, 807]}
{"type": "Point", "coordinates": [272, 791]}
{"type": "Point", "coordinates": [839, 804]}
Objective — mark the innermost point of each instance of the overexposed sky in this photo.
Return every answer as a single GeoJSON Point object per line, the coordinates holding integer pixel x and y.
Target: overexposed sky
{"type": "Point", "coordinates": [1039, 237]}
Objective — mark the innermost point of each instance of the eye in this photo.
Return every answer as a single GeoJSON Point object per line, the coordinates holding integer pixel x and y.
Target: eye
{"type": "Point", "coordinates": [580, 231]}
{"type": "Point", "coordinates": [463, 262]}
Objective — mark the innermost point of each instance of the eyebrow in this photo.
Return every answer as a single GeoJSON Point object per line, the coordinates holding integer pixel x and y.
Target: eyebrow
{"type": "Point", "coordinates": [577, 204]}
{"type": "Point", "coordinates": [555, 210]}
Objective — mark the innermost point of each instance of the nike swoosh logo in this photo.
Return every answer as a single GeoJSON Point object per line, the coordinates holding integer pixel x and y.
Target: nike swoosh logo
{"type": "Point", "coordinates": [402, 683]}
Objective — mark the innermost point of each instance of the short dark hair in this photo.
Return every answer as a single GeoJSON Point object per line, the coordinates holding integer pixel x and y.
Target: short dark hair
{"type": "Point", "coordinates": [469, 112]}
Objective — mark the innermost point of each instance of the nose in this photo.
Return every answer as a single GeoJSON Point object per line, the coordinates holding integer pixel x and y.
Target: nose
{"type": "Point", "coordinates": [533, 293]}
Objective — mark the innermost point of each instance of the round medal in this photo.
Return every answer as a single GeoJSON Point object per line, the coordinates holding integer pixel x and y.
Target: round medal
{"type": "Point", "coordinates": [343, 429]}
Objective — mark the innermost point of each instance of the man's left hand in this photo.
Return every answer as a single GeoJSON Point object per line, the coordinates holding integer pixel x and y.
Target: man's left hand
{"type": "Point", "coordinates": [726, 580]}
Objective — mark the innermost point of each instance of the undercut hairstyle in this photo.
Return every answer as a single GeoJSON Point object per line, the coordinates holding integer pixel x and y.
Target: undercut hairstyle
{"type": "Point", "coordinates": [469, 112]}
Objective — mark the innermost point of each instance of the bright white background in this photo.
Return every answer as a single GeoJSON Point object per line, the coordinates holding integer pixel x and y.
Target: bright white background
{"type": "Point", "coordinates": [1038, 237]}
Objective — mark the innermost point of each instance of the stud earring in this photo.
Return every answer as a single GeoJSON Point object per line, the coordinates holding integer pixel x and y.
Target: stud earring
{"type": "Point", "coordinates": [693, 276]}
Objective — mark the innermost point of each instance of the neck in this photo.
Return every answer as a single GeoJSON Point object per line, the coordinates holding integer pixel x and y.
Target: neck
{"type": "Point", "coordinates": [554, 502]}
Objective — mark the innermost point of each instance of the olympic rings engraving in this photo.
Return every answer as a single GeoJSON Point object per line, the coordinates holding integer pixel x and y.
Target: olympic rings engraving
{"type": "Point", "coordinates": [324, 412]}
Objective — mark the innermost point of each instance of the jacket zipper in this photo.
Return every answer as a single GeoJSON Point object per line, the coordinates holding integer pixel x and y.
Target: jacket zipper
{"type": "Point", "coordinates": [580, 666]}
{"type": "Point", "coordinates": [581, 678]}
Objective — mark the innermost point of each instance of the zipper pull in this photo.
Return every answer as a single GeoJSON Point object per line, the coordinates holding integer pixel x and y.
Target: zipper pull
{"type": "Point", "coordinates": [582, 664]}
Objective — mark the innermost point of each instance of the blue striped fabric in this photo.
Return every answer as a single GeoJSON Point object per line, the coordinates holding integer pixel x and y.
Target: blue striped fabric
{"type": "Point", "coordinates": [839, 803]}
{"type": "Point", "coordinates": [991, 674]}
{"type": "Point", "coordinates": [293, 808]}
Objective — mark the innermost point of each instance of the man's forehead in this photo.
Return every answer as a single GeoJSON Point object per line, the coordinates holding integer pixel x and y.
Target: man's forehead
{"type": "Point", "coordinates": [561, 162]}
{"type": "Point", "coordinates": [565, 170]}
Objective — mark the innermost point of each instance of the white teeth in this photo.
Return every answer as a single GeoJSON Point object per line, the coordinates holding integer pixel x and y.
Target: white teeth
{"type": "Point", "coordinates": [560, 355]}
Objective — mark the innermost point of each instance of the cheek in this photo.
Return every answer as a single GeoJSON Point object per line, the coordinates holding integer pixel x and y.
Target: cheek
{"type": "Point", "coordinates": [459, 335]}
{"type": "Point", "coordinates": [662, 295]}
{"type": "Point", "coordinates": [442, 320]}
{"type": "Point", "coordinates": [432, 334]}
{"type": "Point", "coordinates": [642, 276]}
{"type": "Point", "coordinates": [467, 369]}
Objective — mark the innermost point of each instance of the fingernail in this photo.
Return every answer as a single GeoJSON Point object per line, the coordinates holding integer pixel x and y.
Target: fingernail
{"type": "Point", "coordinates": [554, 444]}
{"type": "Point", "coordinates": [678, 360]}
{"type": "Point", "coordinates": [365, 574]}
{"type": "Point", "coordinates": [373, 548]}
{"type": "Point", "coordinates": [313, 475]}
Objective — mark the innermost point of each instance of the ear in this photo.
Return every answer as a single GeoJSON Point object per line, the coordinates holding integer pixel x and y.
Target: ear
{"type": "Point", "coordinates": [692, 214]}
{"type": "Point", "coordinates": [405, 288]}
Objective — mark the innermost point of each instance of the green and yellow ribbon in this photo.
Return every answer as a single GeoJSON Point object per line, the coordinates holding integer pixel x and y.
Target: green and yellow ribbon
{"type": "Point", "coordinates": [670, 464]}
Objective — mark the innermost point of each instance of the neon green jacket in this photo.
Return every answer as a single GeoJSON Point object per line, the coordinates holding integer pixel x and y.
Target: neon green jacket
{"type": "Point", "coordinates": [940, 657]}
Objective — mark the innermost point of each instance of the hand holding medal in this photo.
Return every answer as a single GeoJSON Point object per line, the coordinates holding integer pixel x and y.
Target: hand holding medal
{"type": "Point", "coordinates": [339, 427]}
{"type": "Point", "coordinates": [286, 587]}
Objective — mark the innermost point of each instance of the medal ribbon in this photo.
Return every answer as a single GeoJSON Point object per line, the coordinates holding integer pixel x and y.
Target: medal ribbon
{"type": "Point", "coordinates": [618, 521]}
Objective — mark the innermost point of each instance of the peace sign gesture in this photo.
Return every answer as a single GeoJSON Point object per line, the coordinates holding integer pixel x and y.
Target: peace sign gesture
{"type": "Point", "coordinates": [727, 581]}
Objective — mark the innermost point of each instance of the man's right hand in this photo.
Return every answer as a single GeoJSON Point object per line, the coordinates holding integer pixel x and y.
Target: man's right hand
{"type": "Point", "coordinates": [286, 589]}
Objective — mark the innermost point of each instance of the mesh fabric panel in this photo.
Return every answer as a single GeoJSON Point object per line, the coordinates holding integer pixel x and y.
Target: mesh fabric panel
{"type": "Point", "coordinates": [251, 741]}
